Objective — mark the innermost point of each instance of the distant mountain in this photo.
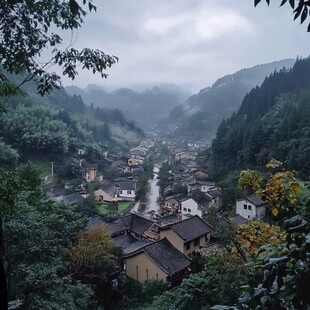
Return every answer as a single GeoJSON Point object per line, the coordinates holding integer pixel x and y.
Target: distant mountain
{"type": "Point", "coordinates": [201, 114]}
{"type": "Point", "coordinates": [145, 107]}
{"type": "Point", "coordinates": [273, 121]}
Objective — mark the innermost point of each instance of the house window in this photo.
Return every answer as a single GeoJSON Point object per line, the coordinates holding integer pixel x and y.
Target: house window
{"type": "Point", "coordinates": [147, 274]}
{"type": "Point", "coordinates": [180, 208]}
{"type": "Point", "coordinates": [184, 209]}
{"type": "Point", "coordinates": [196, 241]}
{"type": "Point", "coordinates": [245, 207]}
{"type": "Point", "coordinates": [250, 208]}
{"type": "Point", "coordinates": [187, 245]}
{"type": "Point", "coordinates": [189, 210]}
{"type": "Point", "coordinates": [128, 192]}
{"type": "Point", "coordinates": [206, 238]}
{"type": "Point", "coordinates": [156, 276]}
{"type": "Point", "coordinates": [248, 216]}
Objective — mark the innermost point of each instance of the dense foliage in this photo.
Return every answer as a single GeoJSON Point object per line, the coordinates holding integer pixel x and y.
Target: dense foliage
{"type": "Point", "coordinates": [273, 121]}
{"type": "Point", "coordinates": [29, 28]}
{"type": "Point", "coordinates": [56, 126]}
{"type": "Point", "coordinates": [202, 113]}
{"type": "Point", "coordinates": [38, 235]}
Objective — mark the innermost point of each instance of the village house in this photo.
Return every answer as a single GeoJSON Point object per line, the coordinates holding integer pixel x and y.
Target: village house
{"type": "Point", "coordinates": [215, 196]}
{"type": "Point", "coordinates": [252, 208]}
{"type": "Point", "coordinates": [187, 235]}
{"type": "Point", "coordinates": [133, 224]}
{"type": "Point", "coordinates": [172, 205]}
{"type": "Point", "coordinates": [202, 185]}
{"type": "Point", "coordinates": [127, 190]}
{"type": "Point", "coordinates": [107, 193]}
{"type": "Point", "coordinates": [89, 172]}
{"type": "Point", "coordinates": [65, 196]}
{"type": "Point", "coordinates": [190, 206]}
{"type": "Point", "coordinates": [158, 260]}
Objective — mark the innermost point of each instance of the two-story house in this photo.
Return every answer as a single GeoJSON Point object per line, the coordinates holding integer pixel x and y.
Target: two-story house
{"type": "Point", "coordinates": [252, 208]}
{"type": "Point", "coordinates": [187, 235]}
{"type": "Point", "coordinates": [158, 260]}
{"type": "Point", "coordinates": [190, 206]}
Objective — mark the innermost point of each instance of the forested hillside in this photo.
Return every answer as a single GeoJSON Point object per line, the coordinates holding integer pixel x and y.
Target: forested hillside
{"type": "Point", "coordinates": [201, 114]}
{"type": "Point", "coordinates": [272, 122]}
{"type": "Point", "coordinates": [146, 107]}
{"type": "Point", "coordinates": [56, 125]}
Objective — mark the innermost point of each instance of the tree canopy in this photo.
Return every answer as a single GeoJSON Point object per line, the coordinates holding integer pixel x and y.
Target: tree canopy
{"type": "Point", "coordinates": [29, 28]}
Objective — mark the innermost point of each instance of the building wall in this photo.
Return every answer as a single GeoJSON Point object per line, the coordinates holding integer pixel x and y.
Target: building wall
{"type": "Point", "coordinates": [189, 206]}
{"type": "Point", "coordinates": [131, 194]}
{"type": "Point", "coordinates": [174, 239]}
{"type": "Point", "coordinates": [191, 246]}
{"type": "Point", "coordinates": [141, 268]}
{"type": "Point", "coordinates": [249, 211]}
{"type": "Point", "coordinates": [206, 188]}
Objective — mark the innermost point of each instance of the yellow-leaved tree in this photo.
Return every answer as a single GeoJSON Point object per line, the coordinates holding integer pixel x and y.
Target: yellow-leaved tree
{"type": "Point", "coordinates": [279, 188]}
{"type": "Point", "coordinates": [93, 256]}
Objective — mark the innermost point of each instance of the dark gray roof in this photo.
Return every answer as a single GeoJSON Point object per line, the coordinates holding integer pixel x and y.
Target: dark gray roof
{"type": "Point", "coordinates": [124, 241]}
{"type": "Point", "coordinates": [139, 224]}
{"type": "Point", "coordinates": [257, 201]}
{"type": "Point", "coordinates": [168, 219]}
{"type": "Point", "coordinates": [133, 222]}
{"type": "Point", "coordinates": [191, 228]}
{"type": "Point", "coordinates": [214, 194]}
{"type": "Point", "coordinates": [110, 189]}
{"type": "Point", "coordinates": [117, 227]}
{"type": "Point", "coordinates": [167, 257]}
{"type": "Point", "coordinates": [136, 246]}
{"type": "Point", "coordinates": [127, 185]}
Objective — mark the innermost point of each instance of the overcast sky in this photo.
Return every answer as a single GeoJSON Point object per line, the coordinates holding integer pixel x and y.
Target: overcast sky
{"type": "Point", "coordinates": [187, 42]}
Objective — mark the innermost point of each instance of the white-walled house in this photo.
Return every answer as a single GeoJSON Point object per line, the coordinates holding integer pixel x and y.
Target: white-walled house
{"type": "Point", "coordinates": [251, 208]}
{"type": "Point", "coordinates": [190, 206]}
{"type": "Point", "coordinates": [127, 190]}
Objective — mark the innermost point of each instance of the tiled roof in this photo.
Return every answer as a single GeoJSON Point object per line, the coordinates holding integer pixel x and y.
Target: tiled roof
{"type": "Point", "coordinates": [110, 189]}
{"type": "Point", "coordinates": [127, 185]}
{"type": "Point", "coordinates": [167, 257]}
{"type": "Point", "coordinates": [135, 246]}
{"type": "Point", "coordinates": [117, 227]}
{"type": "Point", "coordinates": [191, 228]}
{"type": "Point", "coordinates": [124, 241]}
{"type": "Point", "coordinates": [133, 222]}
{"type": "Point", "coordinates": [257, 201]}
{"type": "Point", "coordinates": [140, 224]}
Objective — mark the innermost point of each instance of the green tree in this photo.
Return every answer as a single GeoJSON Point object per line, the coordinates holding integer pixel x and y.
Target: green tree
{"type": "Point", "coordinates": [38, 236]}
{"type": "Point", "coordinates": [28, 29]}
